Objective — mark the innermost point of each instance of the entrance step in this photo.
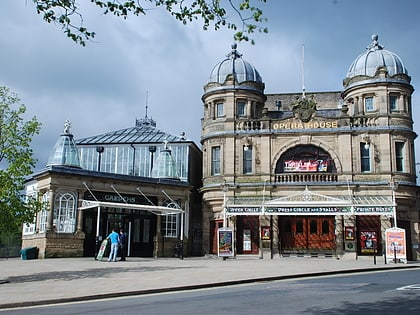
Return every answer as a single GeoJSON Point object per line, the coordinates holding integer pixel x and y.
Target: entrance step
{"type": "Point", "coordinates": [308, 254]}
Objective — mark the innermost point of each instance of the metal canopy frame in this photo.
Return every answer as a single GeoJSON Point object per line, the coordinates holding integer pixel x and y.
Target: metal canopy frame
{"type": "Point", "coordinates": [158, 210]}
{"type": "Point", "coordinates": [310, 203]}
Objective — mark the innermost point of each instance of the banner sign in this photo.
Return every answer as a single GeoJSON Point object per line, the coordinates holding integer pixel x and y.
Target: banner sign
{"type": "Point", "coordinates": [373, 210]}
{"type": "Point", "coordinates": [315, 210]}
{"type": "Point", "coordinates": [395, 245]}
{"type": "Point", "coordinates": [308, 210]}
{"type": "Point", "coordinates": [225, 242]}
{"type": "Point", "coordinates": [244, 210]}
{"type": "Point", "coordinates": [293, 166]}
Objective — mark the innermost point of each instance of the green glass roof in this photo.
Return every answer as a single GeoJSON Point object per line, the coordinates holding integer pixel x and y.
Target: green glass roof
{"type": "Point", "coordinates": [144, 132]}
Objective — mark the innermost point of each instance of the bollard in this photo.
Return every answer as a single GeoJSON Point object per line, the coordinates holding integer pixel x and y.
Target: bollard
{"type": "Point", "coordinates": [374, 256]}
{"type": "Point", "coordinates": [395, 254]}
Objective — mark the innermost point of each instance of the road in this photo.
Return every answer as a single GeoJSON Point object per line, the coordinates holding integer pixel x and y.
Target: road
{"type": "Point", "coordinates": [387, 292]}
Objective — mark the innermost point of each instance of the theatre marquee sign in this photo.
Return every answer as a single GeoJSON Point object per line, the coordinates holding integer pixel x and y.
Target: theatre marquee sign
{"type": "Point", "coordinates": [307, 210]}
{"type": "Point", "coordinates": [310, 203]}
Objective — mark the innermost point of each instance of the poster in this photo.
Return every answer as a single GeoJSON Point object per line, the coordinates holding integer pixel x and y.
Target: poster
{"type": "Point", "coordinates": [305, 166]}
{"type": "Point", "coordinates": [265, 233]}
{"type": "Point", "coordinates": [395, 245]}
{"type": "Point", "coordinates": [368, 241]}
{"type": "Point", "coordinates": [349, 233]}
{"type": "Point", "coordinates": [247, 240]}
{"type": "Point", "coordinates": [225, 242]}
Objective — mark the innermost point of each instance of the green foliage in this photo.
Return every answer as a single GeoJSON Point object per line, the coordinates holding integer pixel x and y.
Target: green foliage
{"type": "Point", "coordinates": [210, 12]}
{"type": "Point", "coordinates": [16, 162]}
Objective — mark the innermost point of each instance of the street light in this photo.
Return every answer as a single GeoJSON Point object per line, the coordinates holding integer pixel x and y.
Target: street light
{"type": "Point", "coordinates": [394, 186]}
{"type": "Point", "coordinates": [225, 189]}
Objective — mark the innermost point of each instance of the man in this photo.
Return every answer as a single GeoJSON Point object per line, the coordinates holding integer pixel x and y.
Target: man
{"type": "Point", "coordinates": [114, 238]}
{"type": "Point", "coordinates": [123, 245]}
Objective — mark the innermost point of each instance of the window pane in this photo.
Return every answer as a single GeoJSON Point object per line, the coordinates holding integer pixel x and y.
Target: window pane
{"type": "Point", "coordinates": [393, 105]}
{"type": "Point", "coordinates": [364, 157]}
{"type": "Point", "coordinates": [169, 225]}
{"type": "Point", "coordinates": [215, 161]}
{"type": "Point", "coordinates": [65, 213]}
{"type": "Point", "coordinates": [325, 227]}
{"type": "Point", "coordinates": [399, 156]}
{"type": "Point", "coordinates": [299, 226]}
{"type": "Point", "coordinates": [219, 110]}
{"type": "Point", "coordinates": [241, 109]}
{"type": "Point", "coordinates": [247, 162]}
{"type": "Point", "coordinates": [313, 228]}
{"type": "Point", "coordinates": [369, 106]}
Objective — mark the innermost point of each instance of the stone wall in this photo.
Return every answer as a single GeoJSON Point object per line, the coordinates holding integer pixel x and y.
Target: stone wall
{"type": "Point", "coordinates": [53, 244]}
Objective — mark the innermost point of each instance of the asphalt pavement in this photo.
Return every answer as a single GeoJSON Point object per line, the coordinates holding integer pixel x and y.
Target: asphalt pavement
{"type": "Point", "coordinates": [57, 280]}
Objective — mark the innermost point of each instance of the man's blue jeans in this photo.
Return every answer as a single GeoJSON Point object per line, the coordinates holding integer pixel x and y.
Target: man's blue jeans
{"type": "Point", "coordinates": [113, 253]}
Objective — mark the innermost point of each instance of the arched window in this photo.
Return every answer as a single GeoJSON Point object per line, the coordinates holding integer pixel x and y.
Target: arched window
{"type": "Point", "coordinates": [305, 159]}
{"type": "Point", "coordinates": [65, 212]}
{"type": "Point", "coordinates": [170, 222]}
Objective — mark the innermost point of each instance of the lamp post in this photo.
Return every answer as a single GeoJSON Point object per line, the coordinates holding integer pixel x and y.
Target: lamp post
{"type": "Point", "coordinates": [224, 188]}
{"type": "Point", "coordinates": [394, 186]}
{"type": "Point", "coordinates": [100, 150]}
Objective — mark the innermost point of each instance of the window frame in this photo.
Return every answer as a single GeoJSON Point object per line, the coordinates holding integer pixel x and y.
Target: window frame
{"type": "Point", "coordinates": [369, 106]}
{"type": "Point", "coordinates": [216, 160]}
{"type": "Point", "coordinates": [220, 110]}
{"type": "Point", "coordinates": [399, 156]}
{"type": "Point", "coordinates": [43, 214]}
{"type": "Point", "coordinates": [393, 102]}
{"type": "Point", "coordinates": [241, 109]}
{"type": "Point", "coordinates": [170, 222]}
{"type": "Point", "coordinates": [65, 212]}
{"type": "Point", "coordinates": [247, 159]}
{"type": "Point", "coordinates": [365, 160]}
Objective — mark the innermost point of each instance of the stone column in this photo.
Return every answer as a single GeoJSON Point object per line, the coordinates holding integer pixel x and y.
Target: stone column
{"type": "Point", "coordinates": [50, 216]}
{"type": "Point", "coordinates": [79, 226]}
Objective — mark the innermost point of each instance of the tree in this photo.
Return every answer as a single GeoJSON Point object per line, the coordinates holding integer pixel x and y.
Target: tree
{"type": "Point", "coordinates": [16, 162]}
{"type": "Point", "coordinates": [68, 14]}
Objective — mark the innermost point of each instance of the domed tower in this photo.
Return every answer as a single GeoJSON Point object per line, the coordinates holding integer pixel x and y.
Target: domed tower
{"type": "Point", "coordinates": [377, 92]}
{"type": "Point", "coordinates": [233, 114]}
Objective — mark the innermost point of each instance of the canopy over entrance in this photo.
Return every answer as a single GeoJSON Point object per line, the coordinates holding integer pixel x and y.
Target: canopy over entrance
{"type": "Point", "coordinates": [310, 203]}
{"type": "Point", "coordinates": [158, 210]}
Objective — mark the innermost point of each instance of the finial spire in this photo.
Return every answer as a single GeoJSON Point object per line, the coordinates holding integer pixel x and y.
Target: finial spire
{"type": "Point", "coordinates": [147, 102]}
{"type": "Point", "coordinates": [375, 44]}
{"type": "Point", "coordinates": [67, 126]}
{"type": "Point", "coordinates": [303, 71]}
{"type": "Point", "coordinates": [234, 53]}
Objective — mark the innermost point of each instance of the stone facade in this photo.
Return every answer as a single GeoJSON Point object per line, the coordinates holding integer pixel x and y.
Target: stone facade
{"type": "Point", "coordinates": [355, 144]}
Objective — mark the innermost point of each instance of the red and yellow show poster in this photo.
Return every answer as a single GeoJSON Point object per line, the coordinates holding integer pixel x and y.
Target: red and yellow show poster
{"type": "Point", "coordinates": [368, 241]}
{"type": "Point", "coordinates": [395, 245]}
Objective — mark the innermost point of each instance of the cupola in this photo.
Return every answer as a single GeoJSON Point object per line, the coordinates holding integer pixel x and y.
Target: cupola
{"type": "Point", "coordinates": [65, 152]}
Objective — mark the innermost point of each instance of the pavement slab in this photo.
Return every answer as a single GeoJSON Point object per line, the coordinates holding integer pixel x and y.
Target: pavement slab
{"type": "Point", "coordinates": [55, 280]}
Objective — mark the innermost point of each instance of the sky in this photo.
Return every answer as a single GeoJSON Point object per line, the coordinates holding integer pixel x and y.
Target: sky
{"type": "Point", "coordinates": [157, 62]}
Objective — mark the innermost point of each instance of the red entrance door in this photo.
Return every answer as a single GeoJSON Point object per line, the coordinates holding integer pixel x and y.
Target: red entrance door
{"type": "Point", "coordinates": [320, 233]}
{"type": "Point", "coordinates": [247, 234]}
{"type": "Point", "coordinates": [306, 233]}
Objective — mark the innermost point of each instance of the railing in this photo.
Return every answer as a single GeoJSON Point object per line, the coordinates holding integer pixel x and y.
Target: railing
{"type": "Point", "coordinates": [249, 125]}
{"type": "Point", "coordinates": [305, 177]}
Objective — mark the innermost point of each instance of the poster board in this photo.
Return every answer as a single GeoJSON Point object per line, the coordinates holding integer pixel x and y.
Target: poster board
{"type": "Point", "coordinates": [368, 242]}
{"type": "Point", "coordinates": [265, 233]}
{"type": "Point", "coordinates": [225, 242]}
{"type": "Point", "coordinates": [395, 245]}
